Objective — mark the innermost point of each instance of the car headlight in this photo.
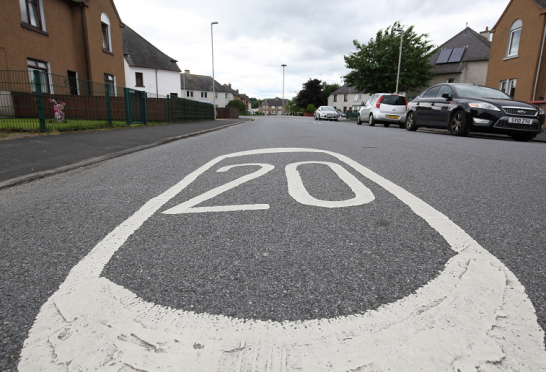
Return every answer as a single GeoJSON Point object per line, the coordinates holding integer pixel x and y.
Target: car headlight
{"type": "Point", "coordinates": [484, 105]}
{"type": "Point", "coordinates": [540, 111]}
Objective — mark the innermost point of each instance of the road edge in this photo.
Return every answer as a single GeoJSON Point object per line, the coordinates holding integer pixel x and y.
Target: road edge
{"type": "Point", "coordinates": [84, 163]}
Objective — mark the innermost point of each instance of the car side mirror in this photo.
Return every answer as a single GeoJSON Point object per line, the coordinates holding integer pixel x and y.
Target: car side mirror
{"type": "Point", "coordinates": [446, 95]}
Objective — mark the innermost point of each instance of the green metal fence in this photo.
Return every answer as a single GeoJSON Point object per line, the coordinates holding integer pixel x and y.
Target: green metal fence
{"type": "Point", "coordinates": [351, 114]}
{"type": "Point", "coordinates": [39, 101]}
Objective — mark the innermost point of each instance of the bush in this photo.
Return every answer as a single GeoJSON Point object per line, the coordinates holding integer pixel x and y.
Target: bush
{"type": "Point", "coordinates": [239, 105]}
{"type": "Point", "coordinates": [310, 108]}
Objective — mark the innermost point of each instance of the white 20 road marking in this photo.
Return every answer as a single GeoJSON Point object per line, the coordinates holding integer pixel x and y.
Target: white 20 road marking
{"type": "Point", "coordinates": [295, 188]}
{"type": "Point", "coordinates": [473, 316]}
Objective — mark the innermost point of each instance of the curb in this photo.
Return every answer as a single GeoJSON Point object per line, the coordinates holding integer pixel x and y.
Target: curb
{"type": "Point", "coordinates": [35, 176]}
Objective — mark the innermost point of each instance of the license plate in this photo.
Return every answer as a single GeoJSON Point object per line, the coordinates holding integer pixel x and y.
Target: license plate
{"type": "Point", "coordinates": [520, 121]}
{"type": "Point", "coordinates": [393, 117]}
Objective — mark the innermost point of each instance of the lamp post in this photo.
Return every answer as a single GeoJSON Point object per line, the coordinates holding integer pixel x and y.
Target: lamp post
{"type": "Point", "coordinates": [283, 66]}
{"type": "Point", "coordinates": [213, 87]}
{"type": "Point", "coordinates": [399, 55]}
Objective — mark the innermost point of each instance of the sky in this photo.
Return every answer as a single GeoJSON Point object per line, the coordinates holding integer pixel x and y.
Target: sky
{"type": "Point", "coordinates": [253, 39]}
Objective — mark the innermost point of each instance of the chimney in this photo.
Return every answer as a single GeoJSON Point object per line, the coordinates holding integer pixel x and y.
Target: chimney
{"type": "Point", "coordinates": [229, 85]}
{"type": "Point", "coordinates": [237, 90]}
{"type": "Point", "coordinates": [187, 72]}
{"type": "Point", "coordinates": [486, 33]}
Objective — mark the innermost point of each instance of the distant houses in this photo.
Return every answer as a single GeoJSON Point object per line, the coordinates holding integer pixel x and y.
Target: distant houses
{"type": "Point", "coordinates": [347, 98]}
{"type": "Point", "coordinates": [272, 106]}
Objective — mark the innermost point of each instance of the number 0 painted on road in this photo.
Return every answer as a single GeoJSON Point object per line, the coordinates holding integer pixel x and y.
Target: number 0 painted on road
{"type": "Point", "coordinates": [297, 190]}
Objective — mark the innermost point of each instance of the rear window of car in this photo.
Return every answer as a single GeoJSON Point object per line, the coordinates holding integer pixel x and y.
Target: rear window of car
{"type": "Point", "coordinates": [394, 100]}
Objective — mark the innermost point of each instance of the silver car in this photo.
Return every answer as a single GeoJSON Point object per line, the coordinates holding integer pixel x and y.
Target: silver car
{"type": "Point", "coordinates": [384, 108]}
{"type": "Point", "coordinates": [326, 113]}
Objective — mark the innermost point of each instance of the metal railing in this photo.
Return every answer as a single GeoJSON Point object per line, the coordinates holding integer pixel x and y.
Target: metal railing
{"type": "Point", "coordinates": [351, 114]}
{"type": "Point", "coordinates": [39, 101]}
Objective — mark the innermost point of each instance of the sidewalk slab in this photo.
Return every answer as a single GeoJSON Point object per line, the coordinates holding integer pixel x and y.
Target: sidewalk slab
{"type": "Point", "coordinates": [29, 158]}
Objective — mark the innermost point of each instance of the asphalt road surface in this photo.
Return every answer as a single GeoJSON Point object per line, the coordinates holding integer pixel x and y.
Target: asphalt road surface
{"type": "Point", "coordinates": [278, 245]}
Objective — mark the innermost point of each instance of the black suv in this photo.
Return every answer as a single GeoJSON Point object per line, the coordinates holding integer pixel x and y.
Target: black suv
{"type": "Point", "coordinates": [463, 108]}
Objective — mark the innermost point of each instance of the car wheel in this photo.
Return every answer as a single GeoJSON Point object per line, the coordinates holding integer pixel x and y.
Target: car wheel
{"type": "Point", "coordinates": [358, 120]}
{"type": "Point", "coordinates": [316, 117]}
{"type": "Point", "coordinates": [523, 137]}
{"type": "Point", "coordinates": [319, 117]}
{"type": "Point", "coordinates": [410, 122]}
{"type": "Point", "coordinates": [372, 121]}
{"type": "Point", "coordinates": [387, 125]}
{"type": "Point", "coordinates": [457, 124]}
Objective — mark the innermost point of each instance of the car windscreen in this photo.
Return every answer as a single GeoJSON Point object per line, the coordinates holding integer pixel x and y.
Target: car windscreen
{"type": "Point", "coordinates": [475, 91]}
{"type": "Point", "coordinates": [394, 100]}
{"type": "Point", "coordinates": [326, 108]}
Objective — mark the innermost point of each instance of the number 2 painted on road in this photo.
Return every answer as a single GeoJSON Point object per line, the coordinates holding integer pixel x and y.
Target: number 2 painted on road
{"type": "Point", "coordinates": [296, 189]}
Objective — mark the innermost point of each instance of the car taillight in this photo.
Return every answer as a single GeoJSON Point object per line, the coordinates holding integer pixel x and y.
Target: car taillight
{"type": "Point", "coordinates": [378, 103]}
{"type": "Point", "coordinates": [406, 103]}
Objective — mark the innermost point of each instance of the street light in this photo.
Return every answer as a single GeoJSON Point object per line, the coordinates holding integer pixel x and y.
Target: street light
{"type": "Point", "coordinates": [399, 56]}
{"type": "Point", "coordinates": [283, 66]}
{"type": "Point", "coordinates": [213, 88]}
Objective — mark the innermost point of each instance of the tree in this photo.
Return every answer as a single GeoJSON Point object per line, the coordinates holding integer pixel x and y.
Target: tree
{"type": "Point", "coordinates": [311, 93]}
{"type": "Point", "coordinates": [239, 105]}
{"type": "Point", "coordinates": [256, 103]}
{"type": "Point", "coordinates": [328, 89]}
{"type": "Point", "coordinates": [374, 65]}
{"type": "Point", "coordinates": [310, 108]}
{"type": "Point", "coordinates": [292, 106]}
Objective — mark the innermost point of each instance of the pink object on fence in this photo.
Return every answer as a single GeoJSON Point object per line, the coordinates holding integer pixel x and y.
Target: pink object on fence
{"type": "Point", "coordinates": [59, 107]}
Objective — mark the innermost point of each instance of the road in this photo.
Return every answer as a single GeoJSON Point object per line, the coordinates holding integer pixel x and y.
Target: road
{"type": "Point", "coordinates": [282, 244]}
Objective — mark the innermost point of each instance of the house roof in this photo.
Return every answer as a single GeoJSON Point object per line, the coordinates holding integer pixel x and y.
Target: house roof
{"type": "Point", "coordinates": [345, 89]}
{"type": "Point", "coordinates": [201, 83]}
{"type": "Point", "coordinates": [274, 101]}
{"type": "Point", "coordinates": [476, 46]}
{"type": "Point", "coordinates": [230, 90]}
{"type": "Point", "coordinates": [139, 52]}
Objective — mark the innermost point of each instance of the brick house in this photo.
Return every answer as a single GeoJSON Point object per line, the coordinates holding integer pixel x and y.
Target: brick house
{"type": "Point", "coordinates": [347, 98]}
{"type": "Point", "coordinates": [79, 39]}
{"type": "Point", "coordinates": [272, 106]}
{"type": "Point", "coordinates": [239, 96]}
{"type": "Point", "coordinates": [517, 65]}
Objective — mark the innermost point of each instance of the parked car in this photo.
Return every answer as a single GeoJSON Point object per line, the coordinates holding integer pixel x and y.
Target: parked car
{"type": "Point", "coordinates": [463, 108]}
{"type": "Point", "coordinates": [386, 108]}
{"type": "Point", "coordinates": [341, 114]}
{"type": "Point", "coordinates": [326, 113]}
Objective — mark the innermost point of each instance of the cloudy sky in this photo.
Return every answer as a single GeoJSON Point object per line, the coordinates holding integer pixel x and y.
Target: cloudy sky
{"type": "Point", "coordinates": [253, 38]}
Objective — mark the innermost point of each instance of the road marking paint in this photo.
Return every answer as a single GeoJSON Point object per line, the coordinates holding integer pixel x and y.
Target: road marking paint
{"type": "Point", "coordinates": [474, 316]}
{"type": "Point", "coordinates": [188, 206]}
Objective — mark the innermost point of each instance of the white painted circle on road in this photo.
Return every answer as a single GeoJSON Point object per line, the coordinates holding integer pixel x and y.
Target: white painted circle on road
{"type": "Point", "coordinates": [474, 316]}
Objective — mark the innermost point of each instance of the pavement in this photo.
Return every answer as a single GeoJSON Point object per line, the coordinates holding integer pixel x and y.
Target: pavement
{"type": "Point", "coordinates": [26, 157]}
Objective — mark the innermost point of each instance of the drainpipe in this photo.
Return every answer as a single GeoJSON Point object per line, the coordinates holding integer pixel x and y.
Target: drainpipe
{"type": "Point", "coordinates": [540, 59]}
{"type": "Point", "coordinates": [156, 87]}
{"type": "Point", "coordinates": [85, 45]}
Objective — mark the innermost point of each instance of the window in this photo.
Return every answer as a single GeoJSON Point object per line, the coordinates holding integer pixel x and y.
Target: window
{"type": "Point", "coordinates": [444, 89]}
{"type": "Point", "coordinates": [431, 92]}
{"type": "Point", "coordinates": [358, 97]}
{"type": "Point", "coordinates": [109, 81]}
{"type": "Point", "coordinates": [106, 36]}
{"type": "Point", "coordinates": [335, 97]}
{"type": "Point", "coordinates": [43, 69]}
{"type": "Point", "coordinates": [174, 95]}
{"type": "Point", "coordinates": [139, 79]}
{"type": "Point", "coordinates": [226, 96]}
{"type": "Point", "coordinates": [203, 94]}
{"type": "Point", "coordinates": [344, 98]}
{"type": "Point", "coordinates": [273, 106]}
{"type": "Point", "coordinates": [508, 87]}
{"type": "Point", "coordinates": [513, 39]}
{"type": "Point", "coordinates": [216, 95]}
{"type": "Point", "coordinates": [189, 93]}
{"type": "Point", "coordinates": [73, 82]}
{"type": "Point", "coordinates": [32, 14]}
{"type": "Point", "coordinates": [451, 80]}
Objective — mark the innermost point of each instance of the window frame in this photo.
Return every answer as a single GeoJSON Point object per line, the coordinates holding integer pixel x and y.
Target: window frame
{"type": "Point", "coordinates": [345, 98]}
{"type": "Point", "coordinates": [25, 16]}
{"type": "Point", "coordinates": [450, 82]}
{"type": "Point", "coordinates": [109, 82]}
{"type": "Point", "coordinates": [335, 97]}
{"type": "Point", "coordinates": [49, 86]}
{"type": "Point", "coordinates": [517, 27]}
{"type": "Point", "coordinates": [509, 86]}
{"type": "Point", "coordinates": [141, 79]}
{"type": "Point", "coordinates": [106, 36]}
{"type": "Point", "coordinates": [75, 79]}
